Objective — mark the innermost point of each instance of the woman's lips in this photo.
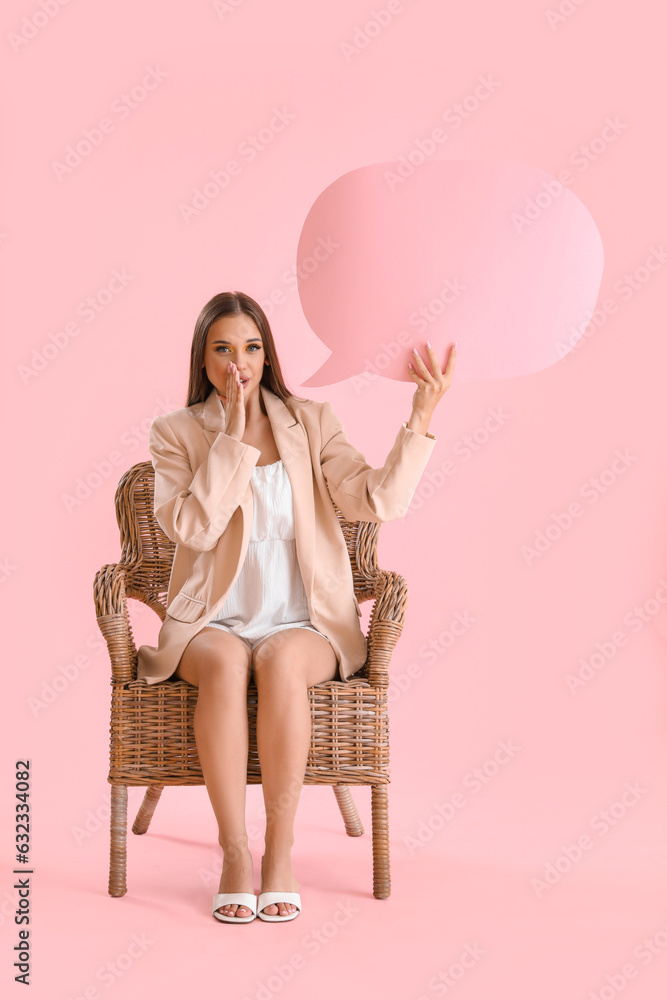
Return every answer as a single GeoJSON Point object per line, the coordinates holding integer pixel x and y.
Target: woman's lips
{"type": "Point", "coordinates": [244, 382]}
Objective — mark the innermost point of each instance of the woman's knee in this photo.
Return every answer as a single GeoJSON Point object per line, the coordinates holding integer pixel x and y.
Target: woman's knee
{"type": "Point", "coordinates": [216, 659]}
{"type": "Point", "coordinates": [294, 658]}
{"type": "Point", "coordinates": [225, 674]}
{"type": "Point", "coordinates": [277, 653]}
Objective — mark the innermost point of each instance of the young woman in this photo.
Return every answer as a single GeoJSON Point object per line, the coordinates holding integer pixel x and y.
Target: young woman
{"type": "Point", "coordinates": [261, 581]}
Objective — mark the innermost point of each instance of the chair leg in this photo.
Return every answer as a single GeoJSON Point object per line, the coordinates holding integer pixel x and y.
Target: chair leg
{"type": "Point", "coordinates": [380, 824]}
{"type": "Point", "coordinates": [118, 854]}
{"type": "Point", "coordinates": [147, 808]}
{"type": "Point", "coordinates": [353, 825]}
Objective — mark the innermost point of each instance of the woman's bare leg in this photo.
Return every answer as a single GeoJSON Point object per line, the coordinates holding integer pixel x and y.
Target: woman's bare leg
{"type": "Point", "coordinates": [219, 664]}
{"type": "Point", "coordinates": [285, 665]}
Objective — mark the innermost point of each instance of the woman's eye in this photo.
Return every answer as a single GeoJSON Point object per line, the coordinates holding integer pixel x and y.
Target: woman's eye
{"type": "Point", "coordinates": [221, 347]}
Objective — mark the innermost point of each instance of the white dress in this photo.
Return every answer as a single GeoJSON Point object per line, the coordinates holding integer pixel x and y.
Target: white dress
{"type": "Point", "coordinates": [268, 594]}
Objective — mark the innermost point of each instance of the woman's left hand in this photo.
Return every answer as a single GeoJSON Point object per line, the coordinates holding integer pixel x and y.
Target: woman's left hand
{"type": "Point", "coordinates": [431, 386]}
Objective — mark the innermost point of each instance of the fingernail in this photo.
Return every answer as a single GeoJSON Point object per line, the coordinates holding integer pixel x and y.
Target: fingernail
{"type": "Point", "coordinates": [415, 351]}
{"type": "Point", "coordinates": [428, 343]}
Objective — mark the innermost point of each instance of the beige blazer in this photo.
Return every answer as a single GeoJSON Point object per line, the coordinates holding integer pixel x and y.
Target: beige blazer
{"type": "Point", "coordinates": [204, 503]}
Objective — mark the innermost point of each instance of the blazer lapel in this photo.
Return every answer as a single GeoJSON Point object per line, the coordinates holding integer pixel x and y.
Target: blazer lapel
{"type": "Point", "coordinates": [292, 444]}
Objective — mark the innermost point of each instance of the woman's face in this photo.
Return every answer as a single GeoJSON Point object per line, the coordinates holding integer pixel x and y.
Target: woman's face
{"type": "Point", "coordinates": [237, 339]}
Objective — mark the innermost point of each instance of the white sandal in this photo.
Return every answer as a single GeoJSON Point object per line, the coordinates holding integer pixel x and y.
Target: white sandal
{"type": "Point", "coordinates": [248, 899]}
{"type": "Point", "coordinates": [268, 898]}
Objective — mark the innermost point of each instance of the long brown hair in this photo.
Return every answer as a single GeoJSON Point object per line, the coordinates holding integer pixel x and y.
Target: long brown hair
{"type": "Point", "coordinates": [233, 304]}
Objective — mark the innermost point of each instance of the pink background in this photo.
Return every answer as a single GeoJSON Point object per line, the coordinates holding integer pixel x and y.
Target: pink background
{"type": "Point", "coordinates": [468, 889]}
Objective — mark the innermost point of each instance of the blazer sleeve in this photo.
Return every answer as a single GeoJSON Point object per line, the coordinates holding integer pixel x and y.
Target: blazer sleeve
{"type": "Point", "coordinates": [361, 492]}
{"type": "Point", "coordinates": [193, 507]}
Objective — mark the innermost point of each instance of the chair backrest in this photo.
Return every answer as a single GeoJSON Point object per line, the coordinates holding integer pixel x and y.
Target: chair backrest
{"type": "Point", "coordinates": [147, 554]}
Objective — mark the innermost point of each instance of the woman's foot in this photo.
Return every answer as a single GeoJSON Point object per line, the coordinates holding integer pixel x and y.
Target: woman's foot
{"type": "Point", "coordinates": [277, 871]}
{"type": "Point", "coordinates": [236, 877]}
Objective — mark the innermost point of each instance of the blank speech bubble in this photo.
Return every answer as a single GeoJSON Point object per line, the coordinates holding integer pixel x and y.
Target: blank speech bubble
{"type": "Point", "coordinates": [496, 255]}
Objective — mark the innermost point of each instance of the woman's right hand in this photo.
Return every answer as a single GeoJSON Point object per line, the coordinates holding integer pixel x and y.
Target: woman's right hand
{"type": "Point", "coordinates": [234, 406]}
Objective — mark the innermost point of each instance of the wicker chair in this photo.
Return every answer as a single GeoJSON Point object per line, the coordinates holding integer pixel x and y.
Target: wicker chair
{"type": "Point", "coordinates": [152, 736]}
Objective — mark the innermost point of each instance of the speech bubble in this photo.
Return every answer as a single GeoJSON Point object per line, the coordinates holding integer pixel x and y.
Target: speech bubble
{"type": "Point", "coordinates": [496, 255]}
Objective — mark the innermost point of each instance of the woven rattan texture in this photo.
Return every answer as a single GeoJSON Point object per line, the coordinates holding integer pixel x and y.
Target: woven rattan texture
{"type": "Point", "coordinates": [151, 732]}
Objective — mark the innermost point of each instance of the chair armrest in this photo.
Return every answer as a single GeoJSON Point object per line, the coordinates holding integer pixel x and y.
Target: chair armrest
{"type": "Point", "coordinates": [385, 626]}
{"type": "Point", "coordinates": [114, 622]}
